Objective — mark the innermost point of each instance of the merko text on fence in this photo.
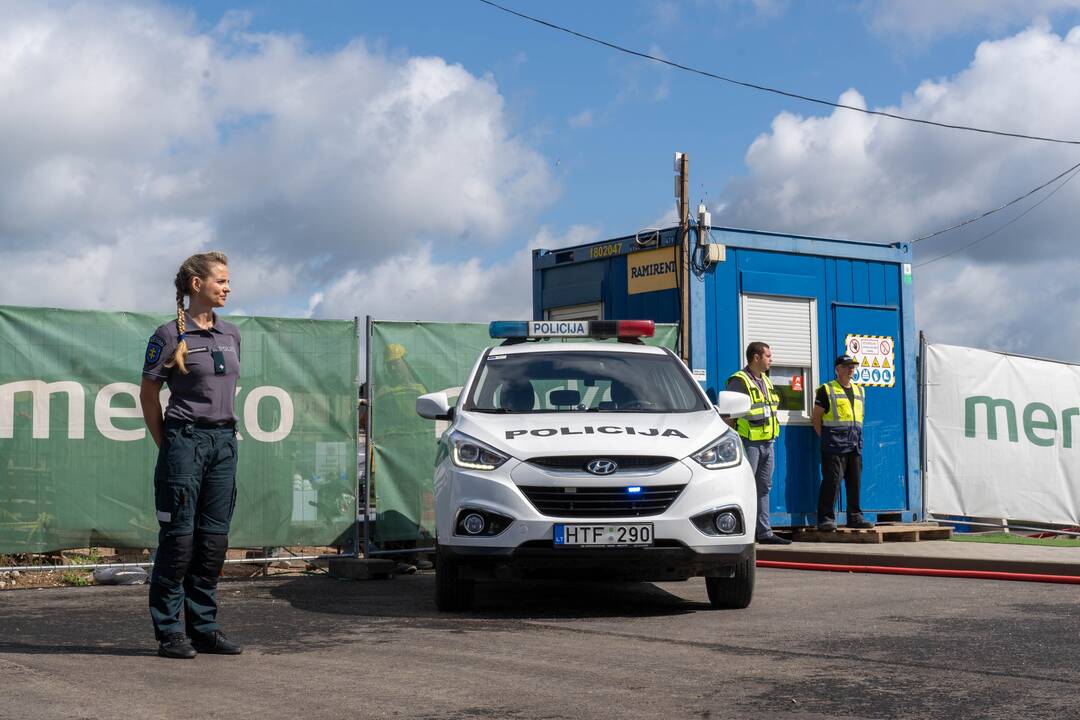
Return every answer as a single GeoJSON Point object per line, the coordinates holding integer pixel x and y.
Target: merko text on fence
{"type": "Point", "coordinates": [1001, 436]}
{"type": "Point", "coordinates": [76, 461]}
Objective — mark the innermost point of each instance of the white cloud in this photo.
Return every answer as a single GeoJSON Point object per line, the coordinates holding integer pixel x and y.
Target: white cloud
{"type": "Point", "coordinates": [1015, 308]}
{"type": "Point", "coordinates": [870, 178]}
{"type": "Point", "coordinates": [418, 286]}
{"type": "Point", "coordinates": [132, 138]}
{"type": "Point", "coordinates": [583, 119]}
{"type": "Point", "coordinates": [924, 20]}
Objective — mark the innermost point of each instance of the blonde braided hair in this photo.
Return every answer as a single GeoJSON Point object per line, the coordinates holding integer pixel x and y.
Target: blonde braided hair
{"type": "Point", "coordinates": [197, 266]}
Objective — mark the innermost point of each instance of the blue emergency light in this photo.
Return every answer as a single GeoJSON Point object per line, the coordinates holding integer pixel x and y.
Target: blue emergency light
{"type": "Point", "coordinates": [599, 329]}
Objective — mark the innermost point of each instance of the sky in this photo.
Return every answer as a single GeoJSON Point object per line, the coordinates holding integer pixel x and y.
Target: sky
{"type": "Point", "coordinates": [401, 159]}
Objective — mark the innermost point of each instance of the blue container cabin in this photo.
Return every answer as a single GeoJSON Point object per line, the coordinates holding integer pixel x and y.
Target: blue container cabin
{"type": "Point", "coordinates": [807, 298]}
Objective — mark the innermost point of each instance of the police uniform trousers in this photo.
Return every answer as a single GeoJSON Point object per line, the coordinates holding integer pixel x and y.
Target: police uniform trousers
{"type": "Point", "coordinates": [834, 468]}
{"type": "Point", "coordinates": [194, 495]}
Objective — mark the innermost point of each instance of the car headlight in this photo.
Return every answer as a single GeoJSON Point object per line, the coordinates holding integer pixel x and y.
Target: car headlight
{"type": "Point", "coordinates": [724, 452]}
{"type": "Point", "coordinates": [467, 452]}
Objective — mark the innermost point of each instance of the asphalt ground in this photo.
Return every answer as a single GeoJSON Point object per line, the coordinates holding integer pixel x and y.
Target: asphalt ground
{"type": "Point", "coordinates": [812, 645]}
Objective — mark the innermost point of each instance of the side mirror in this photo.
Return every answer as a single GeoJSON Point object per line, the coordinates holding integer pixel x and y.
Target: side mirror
{"type": "Point", "coordinates": [732, 404]}
{"type": "Point", "coordinates": [434, 406]}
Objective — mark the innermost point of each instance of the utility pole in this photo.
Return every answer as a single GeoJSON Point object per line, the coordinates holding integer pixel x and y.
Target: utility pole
{"type": "Point", "coordinates": [683, 166]}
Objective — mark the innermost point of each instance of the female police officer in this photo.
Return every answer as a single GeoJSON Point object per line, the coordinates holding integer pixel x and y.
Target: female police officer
{"type": "Point", "coordinates": [198, 356]}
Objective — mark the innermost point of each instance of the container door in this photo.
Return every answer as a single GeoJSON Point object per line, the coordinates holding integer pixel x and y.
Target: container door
{"type": "Point", "coordinates": [872, 335]}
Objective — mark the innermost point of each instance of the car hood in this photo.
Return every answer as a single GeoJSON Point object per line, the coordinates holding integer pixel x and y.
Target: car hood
{"type": "Point", "coordinates": [535, 435]}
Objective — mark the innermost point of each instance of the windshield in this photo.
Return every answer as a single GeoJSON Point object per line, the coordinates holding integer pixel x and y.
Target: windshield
{"type": "Point", "coordinates": [583, 382]}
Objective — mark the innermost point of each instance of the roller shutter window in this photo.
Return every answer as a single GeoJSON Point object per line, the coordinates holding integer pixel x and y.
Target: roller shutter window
{"type": "Point", "coordinates": [587, 311]}
{"type": "Point", "coordinates": [789, 327]}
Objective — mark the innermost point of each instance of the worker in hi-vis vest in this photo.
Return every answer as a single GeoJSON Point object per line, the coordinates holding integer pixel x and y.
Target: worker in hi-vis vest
{"type": "Point", "coordinates": [758, 430]}
{"type": "Point", "coordinates": [838, 419]}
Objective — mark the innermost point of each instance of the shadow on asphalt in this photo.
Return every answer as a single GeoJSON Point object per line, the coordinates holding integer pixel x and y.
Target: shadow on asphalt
{"type": "Point", "coordinates": [414, 597]}
{"type": "Point", "coordinates": [7, 647]}
{"type": "Point", "coordinates": [309, 613]}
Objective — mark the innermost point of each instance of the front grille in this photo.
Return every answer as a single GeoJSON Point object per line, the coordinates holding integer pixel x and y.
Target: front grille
{"type": "Point", "coordinates": [601, 502]}
{"type": "Point", "coordinates": [625, 462]}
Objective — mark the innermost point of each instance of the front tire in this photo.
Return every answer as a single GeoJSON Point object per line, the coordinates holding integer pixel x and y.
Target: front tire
{"type": "Point", "coordinates": [452, 592]}
{"type": "Point", "coordinates": [737, 591]}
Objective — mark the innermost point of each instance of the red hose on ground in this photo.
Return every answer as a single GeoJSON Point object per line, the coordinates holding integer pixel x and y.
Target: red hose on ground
{"type": "Point", "coordinates": [933, 572]}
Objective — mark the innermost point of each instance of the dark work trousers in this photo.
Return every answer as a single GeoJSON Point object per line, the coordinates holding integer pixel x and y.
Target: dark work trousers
{"type": "Point", "coordinates": [194, 494]}
{"type": "Point", "coordinates": [834, 467]}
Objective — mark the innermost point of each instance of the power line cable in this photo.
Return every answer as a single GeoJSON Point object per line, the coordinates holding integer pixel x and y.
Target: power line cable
{"type": "Point", "coordinates": [797, 96]}
{"type": "Point", "coordinates": [775, 91]}
{"type": "Point", "coordinates": [1002, 207]}
{"type": "Point", "coordinates": [997, 230]}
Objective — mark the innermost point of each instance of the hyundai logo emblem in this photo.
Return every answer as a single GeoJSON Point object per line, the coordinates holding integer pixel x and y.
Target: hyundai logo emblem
{"type": "Point", "coordinates": [602, 467]}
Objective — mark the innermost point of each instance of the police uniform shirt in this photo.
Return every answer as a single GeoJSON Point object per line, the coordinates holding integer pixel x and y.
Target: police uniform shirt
{"type": "Point", "coordinates": [821, 398]}
{"type": "Point", "coordinates": [206, 394]}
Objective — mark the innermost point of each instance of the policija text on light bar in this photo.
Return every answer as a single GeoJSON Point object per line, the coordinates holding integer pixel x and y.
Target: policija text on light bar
{"type": "Point", "coordinates": [571, 328]}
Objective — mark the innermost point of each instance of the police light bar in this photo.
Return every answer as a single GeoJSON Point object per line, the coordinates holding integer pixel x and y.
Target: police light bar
{"type": "Point", "coordinates": [571, 328]}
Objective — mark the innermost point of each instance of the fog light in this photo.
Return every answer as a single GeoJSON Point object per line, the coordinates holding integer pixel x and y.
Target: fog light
{"type": "Point", "coordinates": [476, 522]}
{"type": "Point", "coordinates": [726, 522]}
{"type": "Point", "coordinates": [473, 523]}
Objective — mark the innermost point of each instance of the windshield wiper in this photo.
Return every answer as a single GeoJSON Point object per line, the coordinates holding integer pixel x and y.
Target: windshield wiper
{"type": "Point", "coordinates": [638, 410]}
{"type": "Point", "coordinates": [504, 411]}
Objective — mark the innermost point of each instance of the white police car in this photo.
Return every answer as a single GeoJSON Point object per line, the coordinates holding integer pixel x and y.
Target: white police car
{"type": "Point", "coordinates": [589, 460]}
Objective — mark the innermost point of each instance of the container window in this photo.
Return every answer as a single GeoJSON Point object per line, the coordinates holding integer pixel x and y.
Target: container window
{"type": "Point", "coordinates": [586, 311]}
{"type": "Point", "coordinates": [789, 327]}
{"type": "Point", "coordinates": [791, 384]}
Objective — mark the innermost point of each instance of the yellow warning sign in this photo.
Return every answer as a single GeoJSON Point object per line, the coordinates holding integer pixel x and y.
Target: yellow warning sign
{"type": "Point", "coordinates": [886, 363]}
{"type": "Point", "coordinates": [865, 362]}
{"type": "Point", "coordinates": [876, 363]}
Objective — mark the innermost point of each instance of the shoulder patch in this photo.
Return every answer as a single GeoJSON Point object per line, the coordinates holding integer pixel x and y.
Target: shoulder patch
{"type": "Point", "coordinates": [153, 350]}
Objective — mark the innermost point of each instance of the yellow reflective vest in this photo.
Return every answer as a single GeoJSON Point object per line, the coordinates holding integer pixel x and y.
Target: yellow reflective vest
{"type": "Point", "coordinates": [841, 426]}
{"type": "Point", "coordinates": [761, 422]}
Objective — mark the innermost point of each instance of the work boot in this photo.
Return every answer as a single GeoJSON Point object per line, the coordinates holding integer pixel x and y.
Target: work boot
{"type": "Point", "coordinates": [216, 644]}
{"type": "Point", "coordinates": [404, 568]}
{"type": "Point", "coordinates": [772, 539]}
{"type": "Point", "coordinates": [176, 646]}
{"type": "Point", "coordinates": [827, 526]}
{"type": "Point", "coordinates": [860, 524]}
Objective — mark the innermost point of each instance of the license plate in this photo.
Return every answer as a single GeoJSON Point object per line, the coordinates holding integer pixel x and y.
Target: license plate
{"type": "Point", "coordinates": [620, 535]}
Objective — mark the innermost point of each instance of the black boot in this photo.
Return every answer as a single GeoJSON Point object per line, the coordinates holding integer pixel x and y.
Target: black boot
{"type": "Point", "coordinates": [858, 521]}
{"type": "Point", "coordinates": [216, 644]}
{"type": "Point", "coordinates": [176, 646]}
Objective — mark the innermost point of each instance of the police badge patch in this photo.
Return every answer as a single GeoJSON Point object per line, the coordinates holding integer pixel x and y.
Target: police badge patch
{"type": "Point", "coordinates": [153, 350]}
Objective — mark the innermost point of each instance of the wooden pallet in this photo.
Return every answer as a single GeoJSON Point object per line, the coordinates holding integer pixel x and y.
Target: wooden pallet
{"type": "Point", "coordinates": [899, 532]}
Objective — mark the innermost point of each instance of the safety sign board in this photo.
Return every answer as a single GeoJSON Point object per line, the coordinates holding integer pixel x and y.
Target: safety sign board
{"type": "Point", "coordinates": [876, 358]}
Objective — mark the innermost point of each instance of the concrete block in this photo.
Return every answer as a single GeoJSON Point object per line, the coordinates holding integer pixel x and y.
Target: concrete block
{"type": "Point", "coordinates": [361, 568]}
